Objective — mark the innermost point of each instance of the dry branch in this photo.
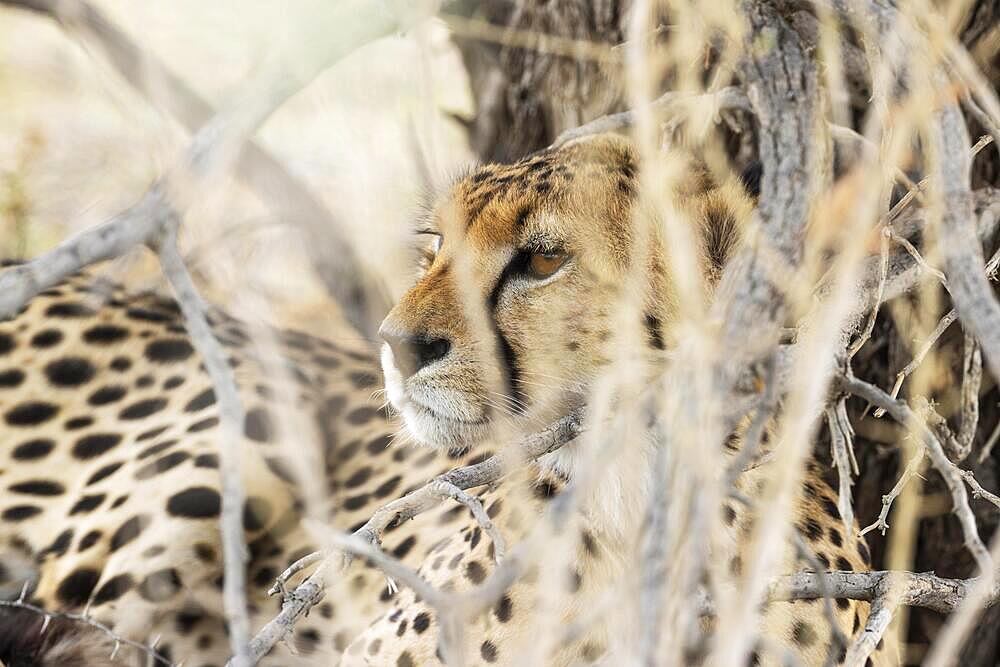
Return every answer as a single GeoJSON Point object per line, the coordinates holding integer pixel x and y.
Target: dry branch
{"type": "Point", "coordinates": [922, 589]}
{"type": "Point", "coordinates": [231, 422]}
{"type": "Point", "coordinates": [353, 287]}
{"type": "Point", "coordinates": [671, 103]}
{"type": "Point", "coordinates": [902, 413]}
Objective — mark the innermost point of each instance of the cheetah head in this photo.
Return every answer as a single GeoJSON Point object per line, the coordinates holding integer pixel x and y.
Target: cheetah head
{"type": "Point", "coordinates": [519, 302]}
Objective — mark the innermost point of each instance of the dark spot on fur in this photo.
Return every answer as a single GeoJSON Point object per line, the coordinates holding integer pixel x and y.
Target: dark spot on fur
{"type": "Point", "coordinates": [203, 424]}
{"type": "Point", "coordinates": [844, 564]}
{"type": "Point", "coordinates": [257, 426]}
{"type": "Point", "coordinates": [105, 334]}
{"type": "Point", "coordinates": [204, 552]}
{"type": "Point", "coordinates": [803, 634]}
{"type": "Point", "coordinates": [201, 401]}
{"type": "Point", "coordinates": [728, 514]}
{"type": "Point", "coordinates": [143, 409]}
{"type": "Point", "coordinates": [355, 502]}
{"type": "Point", "coordinates": [38, 487]}
{"type": "Point", "coordinates": [387, 487]}
{"type": "Point", "coordinates": [169, 350]}
{"type": "Point", "coordinates": [421, 622]}
{"type": "Point", "coordinates": [121, 364]}
{"type": "Point", "coordinates": [11, 378]}
{"type": "Point", "coordinates": [113, 588]}
{"type": "Point", "coordinates": [104, 472]}
{"type": "Point", "coordinates": [95, 444]}
{"type": "Point", "coordinates": [489, 651]}
{"type": "Point", "coordinates": [87, 504]}
{"type": "Point", "coordinates": [404, 547]}
{"type": "Point", "coordinates": [378, 445]}
{"type": "Point", "coordinates": [20, 512]}
{"type": "Point", "coordinates": [89, 540]}
{"type": "Point", "coordinates": [60, 544]}
{"type": "Point", "coordinates": [654, 330]}
{"type": "Point", "coordinates": [33, 449]}
{"type": "Point", "coordinates": [256, 513]}
{"type": "Point", "coordinates": [475, 572]}
{"type": "Point", "coordinates": [830, 508]}
{"type": "Point", "coordinates": [811, 528]}
{"type": "Point", "coordinates": [46, 338]}
{"type": "Point", "coordinates": [197, 502]}
{"type": "Point", "coordinates": [31, 413]}
{"type": "Point", "coordinates": [206, 461]}
{"type": "Point", "coordinates": [77, 423]}
{"type": "Point", "coordinates": [161, 465]}
{"type": "Point", "coordinates": [155, 449]}
{"type": "Point", "coordinates": [146, 315]}
{"type": "Point", "coordinates": [359, 477]}
{"type": "Point", "coordinates": [75, 589]}
{"type": "Point", "coordinates": [362, 415]}
{"type": "Point", "coordinates": [106, 395]}
{"type": "Point", "coordinates": [69, 309]}
{"type": "Point", "coordinates": [69, 372]}
{"type": "Point", "coordinates": [504, 609]}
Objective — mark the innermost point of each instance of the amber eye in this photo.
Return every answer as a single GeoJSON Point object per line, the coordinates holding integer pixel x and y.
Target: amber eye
{"type": "Point", "coordinates": [544, 264]}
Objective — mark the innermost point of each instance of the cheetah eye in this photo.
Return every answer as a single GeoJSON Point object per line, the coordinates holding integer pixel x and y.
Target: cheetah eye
{"type": "Point", "coordinates": [544, 264]}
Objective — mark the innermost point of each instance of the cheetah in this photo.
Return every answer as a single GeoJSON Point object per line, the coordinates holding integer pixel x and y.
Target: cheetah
{"type": "Point", "coordinates": [110, 431]}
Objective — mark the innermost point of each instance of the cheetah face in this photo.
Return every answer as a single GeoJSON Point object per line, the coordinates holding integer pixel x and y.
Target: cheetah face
{"type": "Point", "coordinates": [508, 324]}
{"type": "Point", "coordinates": [532, 285]}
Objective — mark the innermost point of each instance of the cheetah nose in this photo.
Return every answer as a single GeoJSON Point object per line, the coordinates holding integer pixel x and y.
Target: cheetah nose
{"type": "Point", "coordinates": [413, 352]}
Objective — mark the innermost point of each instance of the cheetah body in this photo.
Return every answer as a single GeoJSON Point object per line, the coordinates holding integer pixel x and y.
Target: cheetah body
{"type": "Point", "coordinates": [110, 438]}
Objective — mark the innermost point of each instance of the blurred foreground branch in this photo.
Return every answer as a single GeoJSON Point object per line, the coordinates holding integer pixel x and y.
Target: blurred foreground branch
{"type": "Point", "coordinates": [153, 222]}
{"type": "Point", "coordinates": [358, 292]}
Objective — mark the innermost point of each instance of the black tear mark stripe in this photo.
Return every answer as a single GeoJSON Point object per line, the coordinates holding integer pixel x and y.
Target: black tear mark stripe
{"type": "Point", "coordinates": [511, 365]}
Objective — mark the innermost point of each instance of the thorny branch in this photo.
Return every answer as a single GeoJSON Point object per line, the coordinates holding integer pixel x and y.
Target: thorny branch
{"type": "Point", "coordinates": [150, 652]}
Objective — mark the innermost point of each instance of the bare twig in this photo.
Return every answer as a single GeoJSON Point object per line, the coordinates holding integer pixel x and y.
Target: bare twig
{"type": "Point", "coordinates": [912, 468]}
{"type": "Point", "coordinates": [150, 651]}
{"type": "Point", "coordinates": [902, 413]}
{"type": "Point", "coordinates": [445, 489]}
{"type": "Point", "coordinates": [865, 643]}
{"type": "Point", "coordinates": [231, 423]}
{"type": "Point", "coordinates": [841, 442]}
{"type": "Point", "coordinates": [670, 103]}
{"type": "Point", "coordinates": [942, 326]}
{"type": "Point", "coordinates": [915, 589]}
{"type": "Point", "coordinates": [292, 570]}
